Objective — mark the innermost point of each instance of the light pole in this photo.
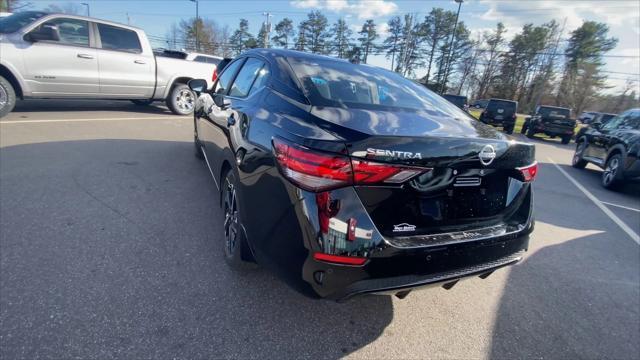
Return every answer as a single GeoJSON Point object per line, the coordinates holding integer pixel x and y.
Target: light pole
{"type": "Point", "coordinates": [197, 25]}
{"type": "Point", "coordinates": [87, 5]}
{"type": "Point", "coordinates": [267, 29]}
{"type": "Point", "coordinates": [453, 37]}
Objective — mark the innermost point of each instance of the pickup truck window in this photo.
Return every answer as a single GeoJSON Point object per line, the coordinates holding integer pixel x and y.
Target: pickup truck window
{"type": "Point", "coordinates": [245, 78]}
{"type": "Point", "coordinates": [15, 22]}
{"type": "Point", "coordinates": [227, 75]}
{"type": "Point", "coordinates": [206, 59]}
{"type": "Point", "coordinates": [72, 31]}
{"type": "Point", "coordinates": [115, 38]}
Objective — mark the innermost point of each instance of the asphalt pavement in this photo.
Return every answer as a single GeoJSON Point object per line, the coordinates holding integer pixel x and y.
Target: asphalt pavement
{"type": "Point", "coordinates": [110, 247]}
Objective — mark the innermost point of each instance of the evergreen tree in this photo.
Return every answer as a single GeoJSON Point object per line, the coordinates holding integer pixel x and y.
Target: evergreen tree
{"type": "Point", "coordinates": [341, 37]}
{"type": "Point", "coordinates": [242, 39]}
{"type": "Point", "coordinates": [368, 36]}
{"type": "Point", "coordinates": [284, 33]}
{"type": "Point", "coordinates": [391, 44]}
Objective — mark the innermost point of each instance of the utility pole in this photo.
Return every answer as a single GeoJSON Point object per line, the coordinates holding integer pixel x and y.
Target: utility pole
{"type": "Point", "coordinates": [453, 37]}
{"type": "Point", "coordinates": [88, 12]}
{"type": "Point", "coordinates": [197, 25]}
{"type": "Point", "coordinates": [267, 29]}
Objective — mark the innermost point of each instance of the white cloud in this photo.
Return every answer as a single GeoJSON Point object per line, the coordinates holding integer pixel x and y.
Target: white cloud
{"type": "Point", "coordinates": [363, 9]}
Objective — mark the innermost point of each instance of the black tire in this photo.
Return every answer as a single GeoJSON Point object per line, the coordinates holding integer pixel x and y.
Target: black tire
{"type": "Point", "coordinates": [577, 161]}
{"type": "Point", "coordinates": [531, 132]}
{"type": "Point", "coordinates": [7, 97]}
{"type": "Point", "coordinates": [181, 100]}
{"type": "Point", "coordinates": [509, 129]}
{"type": "Point", "coordinates": [566, 139]}
{"type": "Point", "coordinates": [234, 241]}
{"type": "Point", "coordinates": [612, 174]}
{"type": "Point", "coordinates": [523, 130]}
{"type": "Point", "coordinates": [145, 102]}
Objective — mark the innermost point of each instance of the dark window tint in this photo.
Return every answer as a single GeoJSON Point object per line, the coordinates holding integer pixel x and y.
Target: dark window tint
{"type": "Point", "coordinates": [261, 80]}
{"type": "Point", "coordinates": [629, 120]}
{"type": "Point", "coordinates": [245, 78]}
{"type": "Point", "coordinates": [15, 22]}
{"type": "Point", "coordinates": [606, 117]}
{"type": "Point", "coordinates": [459, 101]}
{"type": "Point", "coordinates": [206, 59]}
{"type": "Point", "coordinates": [72, 31]}
{"type": "Point", "coordinates": [556, 113]}
{"type": "Point", "coordinates": [115, 38]}
{"type": "Point", "coordinates": [227, 75]}
{"type": "Point", "coordinates": [497, 104]}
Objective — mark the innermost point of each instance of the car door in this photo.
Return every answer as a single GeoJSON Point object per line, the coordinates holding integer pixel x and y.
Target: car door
{"type": "Point", "coordinates": [64, 68]}
{"type": "Point", "coordinates": [211, 127]}
{"type": "Point", "coordinates": [125, 70]}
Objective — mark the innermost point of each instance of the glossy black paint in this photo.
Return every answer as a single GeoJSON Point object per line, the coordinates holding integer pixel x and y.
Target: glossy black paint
{"type": "Point", "coordinates": [602, 140]}
{"type": "Point", "coordinates": [543, 121]}
{"type": "Point", "coordinates": [286, 225]}
{"type": "Point", "coordinates": [500, 112]}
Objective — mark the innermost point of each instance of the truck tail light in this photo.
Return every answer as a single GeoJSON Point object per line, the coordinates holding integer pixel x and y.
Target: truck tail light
{"type": "Point", "coordinates": [342, 260]}
{"type": "Point", "coordinates": [529, 172]}
{"type": "Point", "coordinates": [351, 229]}
{"type": "Point", "coordinates": [320, 171]}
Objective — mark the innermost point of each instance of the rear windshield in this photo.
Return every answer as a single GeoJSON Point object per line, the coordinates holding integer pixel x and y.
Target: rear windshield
{"type": "Point", "coordinates": [607, 117]}
{"type": "Point", "coordinates": [558, 113]}
{"type": "Point", "coordinates": [336, 83]}
{"type": "Point", "coordinates": [15, 22]}
{"type": "Point", "coordinates": [499, 104]}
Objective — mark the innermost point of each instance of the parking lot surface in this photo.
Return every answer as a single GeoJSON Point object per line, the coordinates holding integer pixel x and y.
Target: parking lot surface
{"type": "Point", "coordinates": [110, 247]}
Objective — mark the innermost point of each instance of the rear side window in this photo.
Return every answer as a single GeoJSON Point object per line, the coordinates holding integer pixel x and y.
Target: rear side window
{"type": "Point", "coordinates": [557, 113]}
{"type": "Point", "coordinates": [115, 38]}
{"type": "Point", "coordinates": [72, 31]}
{"type": "Point", "coordinates": [245, 78]}
{"type": "Point", "coordinates": [206, 59]}
{"type": "Point", "coordinates": [224, 80]}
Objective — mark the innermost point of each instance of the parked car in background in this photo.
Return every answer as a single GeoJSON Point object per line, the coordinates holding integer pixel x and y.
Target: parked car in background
{"type": "Point", "coordinates": [550, 120]}
{"type": "Point", "coordinates": [614, 146]}
{"type": "Point", "coordinates": [600, 118]}
{"type": "Point", "coordinates": [479, 104]}
{"type": "Point", "coordinates": [500, 112]}
{"type": "Point", "coordinates": [587, 116]}
{"type": "Point", "coordinates": [348, 179]}
{"type": "Point", "coordinates": [67, 56]}
{"type": "Point", "coordinates": [457, 100]}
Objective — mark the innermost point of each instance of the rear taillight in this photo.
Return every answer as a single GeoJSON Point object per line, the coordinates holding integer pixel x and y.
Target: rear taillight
{"type": "Point", "coordinates": [214, 77]}
{"type": "Point", "coordinates": [319, 171]}
{"type": "Point", "coordinates": [336, 259]}
{"type": "Point", "coordinates": [529, 172]}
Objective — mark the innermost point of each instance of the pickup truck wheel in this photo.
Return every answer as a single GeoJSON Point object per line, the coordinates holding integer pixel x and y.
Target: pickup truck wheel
{"type": "Point", "coordinates": [509, 129]}
{"type": "Point", "coordinates": [145, 102]}
{"type": "Point", "coordinates": [7, 97]}
{"type": "Point", "coordinates": [566, 139]}
{"type": "Point", "coordinates": [181, 100]}
{"type": "Point", "coordinates": [531, 132]}
{"type": "Point", "coordinates": [523, 130]}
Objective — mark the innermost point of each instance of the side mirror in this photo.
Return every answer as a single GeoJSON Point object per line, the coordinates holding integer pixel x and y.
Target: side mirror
{"type": "Point", "coordinates": [44, 33]}
{"type": "Point", "coordinates": [198, 85]}
{"type": "Point", "coordinates": [596, 125]}
{"type": "Point", "coordinates": [221, 101]}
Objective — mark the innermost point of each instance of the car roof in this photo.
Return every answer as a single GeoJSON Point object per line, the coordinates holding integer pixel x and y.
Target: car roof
{"type": "Point", "coordinates": [555, 107]}
{"type": "Point", "coordinates": [294, 54]}
{"type": "Point", "coordinates": [496, 99]}
{"type": "Point", "coordinates": [92, 19]}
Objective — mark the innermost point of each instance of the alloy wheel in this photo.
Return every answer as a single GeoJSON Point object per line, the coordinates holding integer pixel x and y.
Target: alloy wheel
{"type": "Point", "coordinates": [185, 100]}
{"type": "Point", "coordinates": [577, 156]}
{"type": "Point", "coordinates": [610, 171]}
{"type": "Point", "coordinates": [231, 221]}
{"type": "Point", "coordinates": [4, 97]}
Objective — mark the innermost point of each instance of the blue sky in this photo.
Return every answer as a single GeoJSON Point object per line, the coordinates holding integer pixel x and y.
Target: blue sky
{"type": "Point", "coordinates": [623, 17]}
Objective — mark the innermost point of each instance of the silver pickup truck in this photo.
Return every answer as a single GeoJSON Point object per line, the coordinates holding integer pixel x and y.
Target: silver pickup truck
{"type": "Point", "coordinates": [45, 55]}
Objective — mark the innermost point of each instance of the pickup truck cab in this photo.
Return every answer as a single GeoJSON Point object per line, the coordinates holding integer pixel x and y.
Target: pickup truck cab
{"type": "Point", "coordinates": [67, 56]}
{"type": "Point", "coordinates": [552, 121]}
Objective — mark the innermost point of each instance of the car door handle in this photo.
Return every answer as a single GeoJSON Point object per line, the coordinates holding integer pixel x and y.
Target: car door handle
{"type": "Point", "coordinates": [231, 120]}
{"type": "Point", "coordinates": [141, 62]}
{"type": "Point", "coordinates": [85, 56]}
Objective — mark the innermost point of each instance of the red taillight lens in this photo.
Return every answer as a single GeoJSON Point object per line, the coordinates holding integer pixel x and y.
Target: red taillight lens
{"type": "Point", "coordinates": [317, 171]}
{"type": "Point", "coordinates": [214, 77]}
{"type": "Point", "coordinates": [336, 259]}
{"type": "Point", "coordinates": [529, 172]}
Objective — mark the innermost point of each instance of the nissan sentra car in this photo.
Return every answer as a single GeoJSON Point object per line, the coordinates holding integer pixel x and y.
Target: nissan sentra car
{"type": "Point", "coordinates": [348, 179]}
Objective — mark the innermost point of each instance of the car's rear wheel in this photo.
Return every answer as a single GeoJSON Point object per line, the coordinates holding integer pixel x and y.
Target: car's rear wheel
{"type": "Point", "coordinates": [577, 161]}
{"type": "Point", "coordinates": [509, 129]}
{"type": "Point", "coordinates": [612, 175]}
{"type": "Point", "coordinates": [181, 100]}
{"type": "Point", "coordinates": [531, 132]}
{"type": "Point", "coordinates": [566, 139]}
{"type": "Point", "coordinates": [7, 97]}
{"type": "Point", "coordinates": [523, 130]}
{"type": "Point", "coordinates": [234, 235]}
{"type": "Point", "coordinates": [145, 102]}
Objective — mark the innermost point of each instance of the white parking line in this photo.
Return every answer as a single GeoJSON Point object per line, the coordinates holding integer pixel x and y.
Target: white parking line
{"type": "Point", "coordinates": [632, 234]}
{"type": "Point", "coordinates": [621, 206]}
{"type": "Point", "coordinates": [95, 119]}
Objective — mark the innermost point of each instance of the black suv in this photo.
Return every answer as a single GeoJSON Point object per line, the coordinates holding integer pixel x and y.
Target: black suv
{"type": "Point", "coordinates": [613, 146]}
{"type": "Point", "coordinates": [550, 120]}
{"type": "Point", "coordinates": [346, 179]}
{"type": "Point", "coordinates": [457, 100]}
{"type": "Point", "coordinates": [500, 112]}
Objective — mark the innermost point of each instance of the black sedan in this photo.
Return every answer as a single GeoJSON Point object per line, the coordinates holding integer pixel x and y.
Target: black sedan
{"type": "Point", "coordinates": [348, 179]}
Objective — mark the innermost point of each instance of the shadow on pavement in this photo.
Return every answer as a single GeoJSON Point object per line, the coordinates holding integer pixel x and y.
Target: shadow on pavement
{"type": "Point", "coordinates": [571, 298]}
{"type": "Point", "coordinates": [60, 105]}
{"type": "Point", "coordinates": [112, 248]}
